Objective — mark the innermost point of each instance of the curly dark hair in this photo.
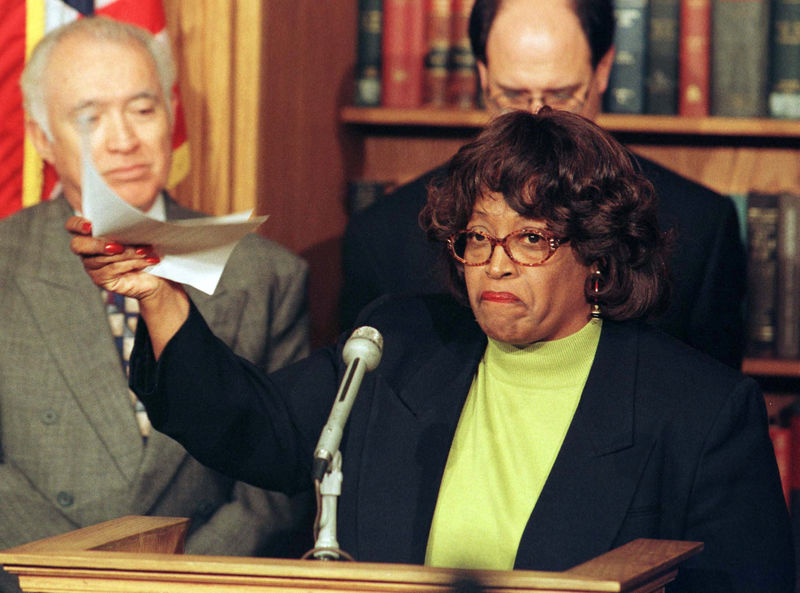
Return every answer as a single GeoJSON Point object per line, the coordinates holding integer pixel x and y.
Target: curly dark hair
{"type": "Point", "coordinates": [565, 170]}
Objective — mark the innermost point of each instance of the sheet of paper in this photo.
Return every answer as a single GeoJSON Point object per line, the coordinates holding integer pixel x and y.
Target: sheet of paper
{"type": "Point", "coordinates": [192, 251]}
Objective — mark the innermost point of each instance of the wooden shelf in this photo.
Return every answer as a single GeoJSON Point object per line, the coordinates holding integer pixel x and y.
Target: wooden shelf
{"type": "Point", "coordinates": [440, 118]}
{"type": "Point", "coordinates": [656, 124]}
{"type": "Point", "coordinates": [702, 126]}
{"type": "Point", "coordinates": [771, 367]}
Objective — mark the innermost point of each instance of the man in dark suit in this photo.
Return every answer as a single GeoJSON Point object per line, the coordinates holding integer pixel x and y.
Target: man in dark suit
{"type": "Point", "coordinates": [71, 450]}
{"type": "Point", "coordinates": [559, 53]}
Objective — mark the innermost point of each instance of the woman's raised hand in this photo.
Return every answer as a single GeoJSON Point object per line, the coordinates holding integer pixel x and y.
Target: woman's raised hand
{"type": "Point", "coordinates": [163, 304]}
{"type": "Point", "coordinates": [112, 266]}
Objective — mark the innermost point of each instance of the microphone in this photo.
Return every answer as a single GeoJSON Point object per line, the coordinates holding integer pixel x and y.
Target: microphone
{"type": "Point", "coordinates": [361, 353]}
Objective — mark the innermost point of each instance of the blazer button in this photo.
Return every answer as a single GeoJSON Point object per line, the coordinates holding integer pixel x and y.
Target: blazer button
{"type": "Point", "coordinates": [205, 509]}
{"type": "Point", "coordinates": [65, 499]}
{"type": "Point", "coordinates": [49, 417]}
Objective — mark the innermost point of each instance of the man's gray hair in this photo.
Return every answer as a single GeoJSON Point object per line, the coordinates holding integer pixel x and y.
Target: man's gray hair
{"type": "Point", "coordinates": [99, 28]}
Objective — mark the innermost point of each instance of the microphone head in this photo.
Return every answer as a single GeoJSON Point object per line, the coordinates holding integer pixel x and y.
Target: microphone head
{"type": "Point", "coordinates": [366, 344]}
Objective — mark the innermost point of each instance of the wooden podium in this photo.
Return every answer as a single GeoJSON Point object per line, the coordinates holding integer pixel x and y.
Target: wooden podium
{"type": "Point", "coordinates": [144, 555]}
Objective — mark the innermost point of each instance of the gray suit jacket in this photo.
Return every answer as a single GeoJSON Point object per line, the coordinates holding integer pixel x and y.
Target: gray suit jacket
{"type": "Point", "coordinates": [71, 452]}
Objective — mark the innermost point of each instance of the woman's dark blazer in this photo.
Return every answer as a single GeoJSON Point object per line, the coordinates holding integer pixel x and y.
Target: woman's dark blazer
{"type": "Point", "coordinates": [665, 442]}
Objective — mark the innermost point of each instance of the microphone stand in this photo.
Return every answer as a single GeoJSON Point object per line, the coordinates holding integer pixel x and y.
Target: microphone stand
{"type": "Point", "coordinates": [327, 546]}
{"type": "Point", "coordinates": [362, 353]}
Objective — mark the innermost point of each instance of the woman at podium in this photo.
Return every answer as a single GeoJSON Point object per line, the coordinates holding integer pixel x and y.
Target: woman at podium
{"type": "Point", "coordinates": [530, 420]}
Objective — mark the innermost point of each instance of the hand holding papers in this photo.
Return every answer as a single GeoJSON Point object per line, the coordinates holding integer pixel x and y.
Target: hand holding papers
{"type": "Point", "coordinates": [192, 251]}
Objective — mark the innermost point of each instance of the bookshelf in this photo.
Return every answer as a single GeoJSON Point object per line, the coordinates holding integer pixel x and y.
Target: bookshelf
{"type": "Point", "coordinates": [640, 124]}
{"type": "Point", "coordinates": [772, 367]}
{"type": "Point", "coordinates": [730, 155]}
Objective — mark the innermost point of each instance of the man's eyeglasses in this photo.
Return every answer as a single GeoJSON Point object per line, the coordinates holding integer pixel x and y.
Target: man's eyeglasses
{"type": "Point", "coordinates": [571, 99]}
{"type": "Point", "coordinates": [526, 247]}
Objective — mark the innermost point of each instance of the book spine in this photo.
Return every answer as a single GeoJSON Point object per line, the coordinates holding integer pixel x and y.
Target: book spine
{"type": "Point", "coordinates": [403, 48]}
{"type": "Point", "coordinates": [368, 54]}
{"type": "Point", "coordinates": [394, 77]}
{"type": "Point", "coordinates": [762, 235]}
{"type": "Point", "coordinates": [781, 438]}
{"type": "Point", "coordinates": [439, 16]}
{"type": "Point", "coordinates": [739, 57]}
{"type": "Point", "coordinates": [740, 204]}
{"type": "Point", "coordinates": [787, 323]}
{"type": "Point", "coordinates": [693, 58]}
{"type": "Point", "coordinates": [661, 90]}
{"type": "Point", "coordinates": [417, 43]}
{"type": "Point", "coordinates": [626, 84]}
{"type": "Point", "coordinates": [462, 82]}
{"type": "Point", "coordinates": [784, 93]}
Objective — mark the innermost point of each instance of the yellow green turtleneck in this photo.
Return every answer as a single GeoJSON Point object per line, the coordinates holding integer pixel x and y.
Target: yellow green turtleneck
{"type": "Point", "coordinates": [515, 418]}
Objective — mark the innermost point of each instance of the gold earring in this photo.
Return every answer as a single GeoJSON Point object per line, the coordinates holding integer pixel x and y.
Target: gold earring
{"type": "Point", "coordinates": [597, 283]}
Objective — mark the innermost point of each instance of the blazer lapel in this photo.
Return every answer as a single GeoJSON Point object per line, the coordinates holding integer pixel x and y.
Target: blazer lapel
{"type": "Point", "coordinates": [597, 468]}
{"type": "Point", "coordinates": [67, 307]}
{"type": "Point", "coordinates": [406, 448]}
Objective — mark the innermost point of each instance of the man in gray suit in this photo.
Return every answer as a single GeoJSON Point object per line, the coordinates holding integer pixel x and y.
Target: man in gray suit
{"type": "Point", "coordinates": [71, 451]}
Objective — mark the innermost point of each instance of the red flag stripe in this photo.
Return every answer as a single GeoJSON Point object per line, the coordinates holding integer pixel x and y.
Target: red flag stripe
{"type": "Point", "coordinates": [12, 131]}
{"type": "Point", "coordinates": [148, 14]}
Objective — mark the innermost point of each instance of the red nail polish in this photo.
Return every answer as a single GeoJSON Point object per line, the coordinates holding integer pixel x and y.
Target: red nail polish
{"type": "Point", "coordinates": [113, 248]}
{"type": "Point", "coordinates": [142, 251]}
{"type": "Point", "coordinates": [152, 259]}
{"type": "Point", "coordinates": [86, 227]}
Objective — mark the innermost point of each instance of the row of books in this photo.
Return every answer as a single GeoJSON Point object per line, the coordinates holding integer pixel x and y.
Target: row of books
{"type": "Point", "coordinates": [771, 227]}
{"type": "Point", "coordinates": [730, 58]}
{"type": "Point", "coordinates": [735, 58]}
{"type": "Point", "coordinates": [414, 53]}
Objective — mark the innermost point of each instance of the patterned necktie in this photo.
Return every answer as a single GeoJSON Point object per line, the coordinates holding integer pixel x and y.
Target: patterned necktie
{"type": "Point", "coordinates": [123, 313]}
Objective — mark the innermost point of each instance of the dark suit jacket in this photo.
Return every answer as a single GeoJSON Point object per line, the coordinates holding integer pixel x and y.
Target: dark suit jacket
{"type": "Point", "coordinates": [70, 451]}
{"type": "Point", "coordinates": [665, 442]}
{"type": "Point", "coordinates": [385, 251]}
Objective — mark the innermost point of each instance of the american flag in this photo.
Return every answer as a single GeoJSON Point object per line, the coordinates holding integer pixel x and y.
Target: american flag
{"type": "Point", "coordinates": [24, 178]}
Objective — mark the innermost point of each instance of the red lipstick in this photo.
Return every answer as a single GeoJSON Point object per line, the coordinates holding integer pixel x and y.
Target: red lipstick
{"type": "Point", "coordinates": [499, 297]}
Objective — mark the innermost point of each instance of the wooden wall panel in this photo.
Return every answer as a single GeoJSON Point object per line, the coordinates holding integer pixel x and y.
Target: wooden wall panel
{"type": "Point", "coordinates": [262, 83]}
{"type": "Point", "coordinates": [218, 46]}
{"type": "Point", "coordinates": [308, 63]}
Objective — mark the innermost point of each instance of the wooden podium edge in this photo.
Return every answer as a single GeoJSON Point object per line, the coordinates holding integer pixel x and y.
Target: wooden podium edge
{"type": "Point", "coordinates": [127, 534]}
{"type": "Point", "coordinates": [135, 551]}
